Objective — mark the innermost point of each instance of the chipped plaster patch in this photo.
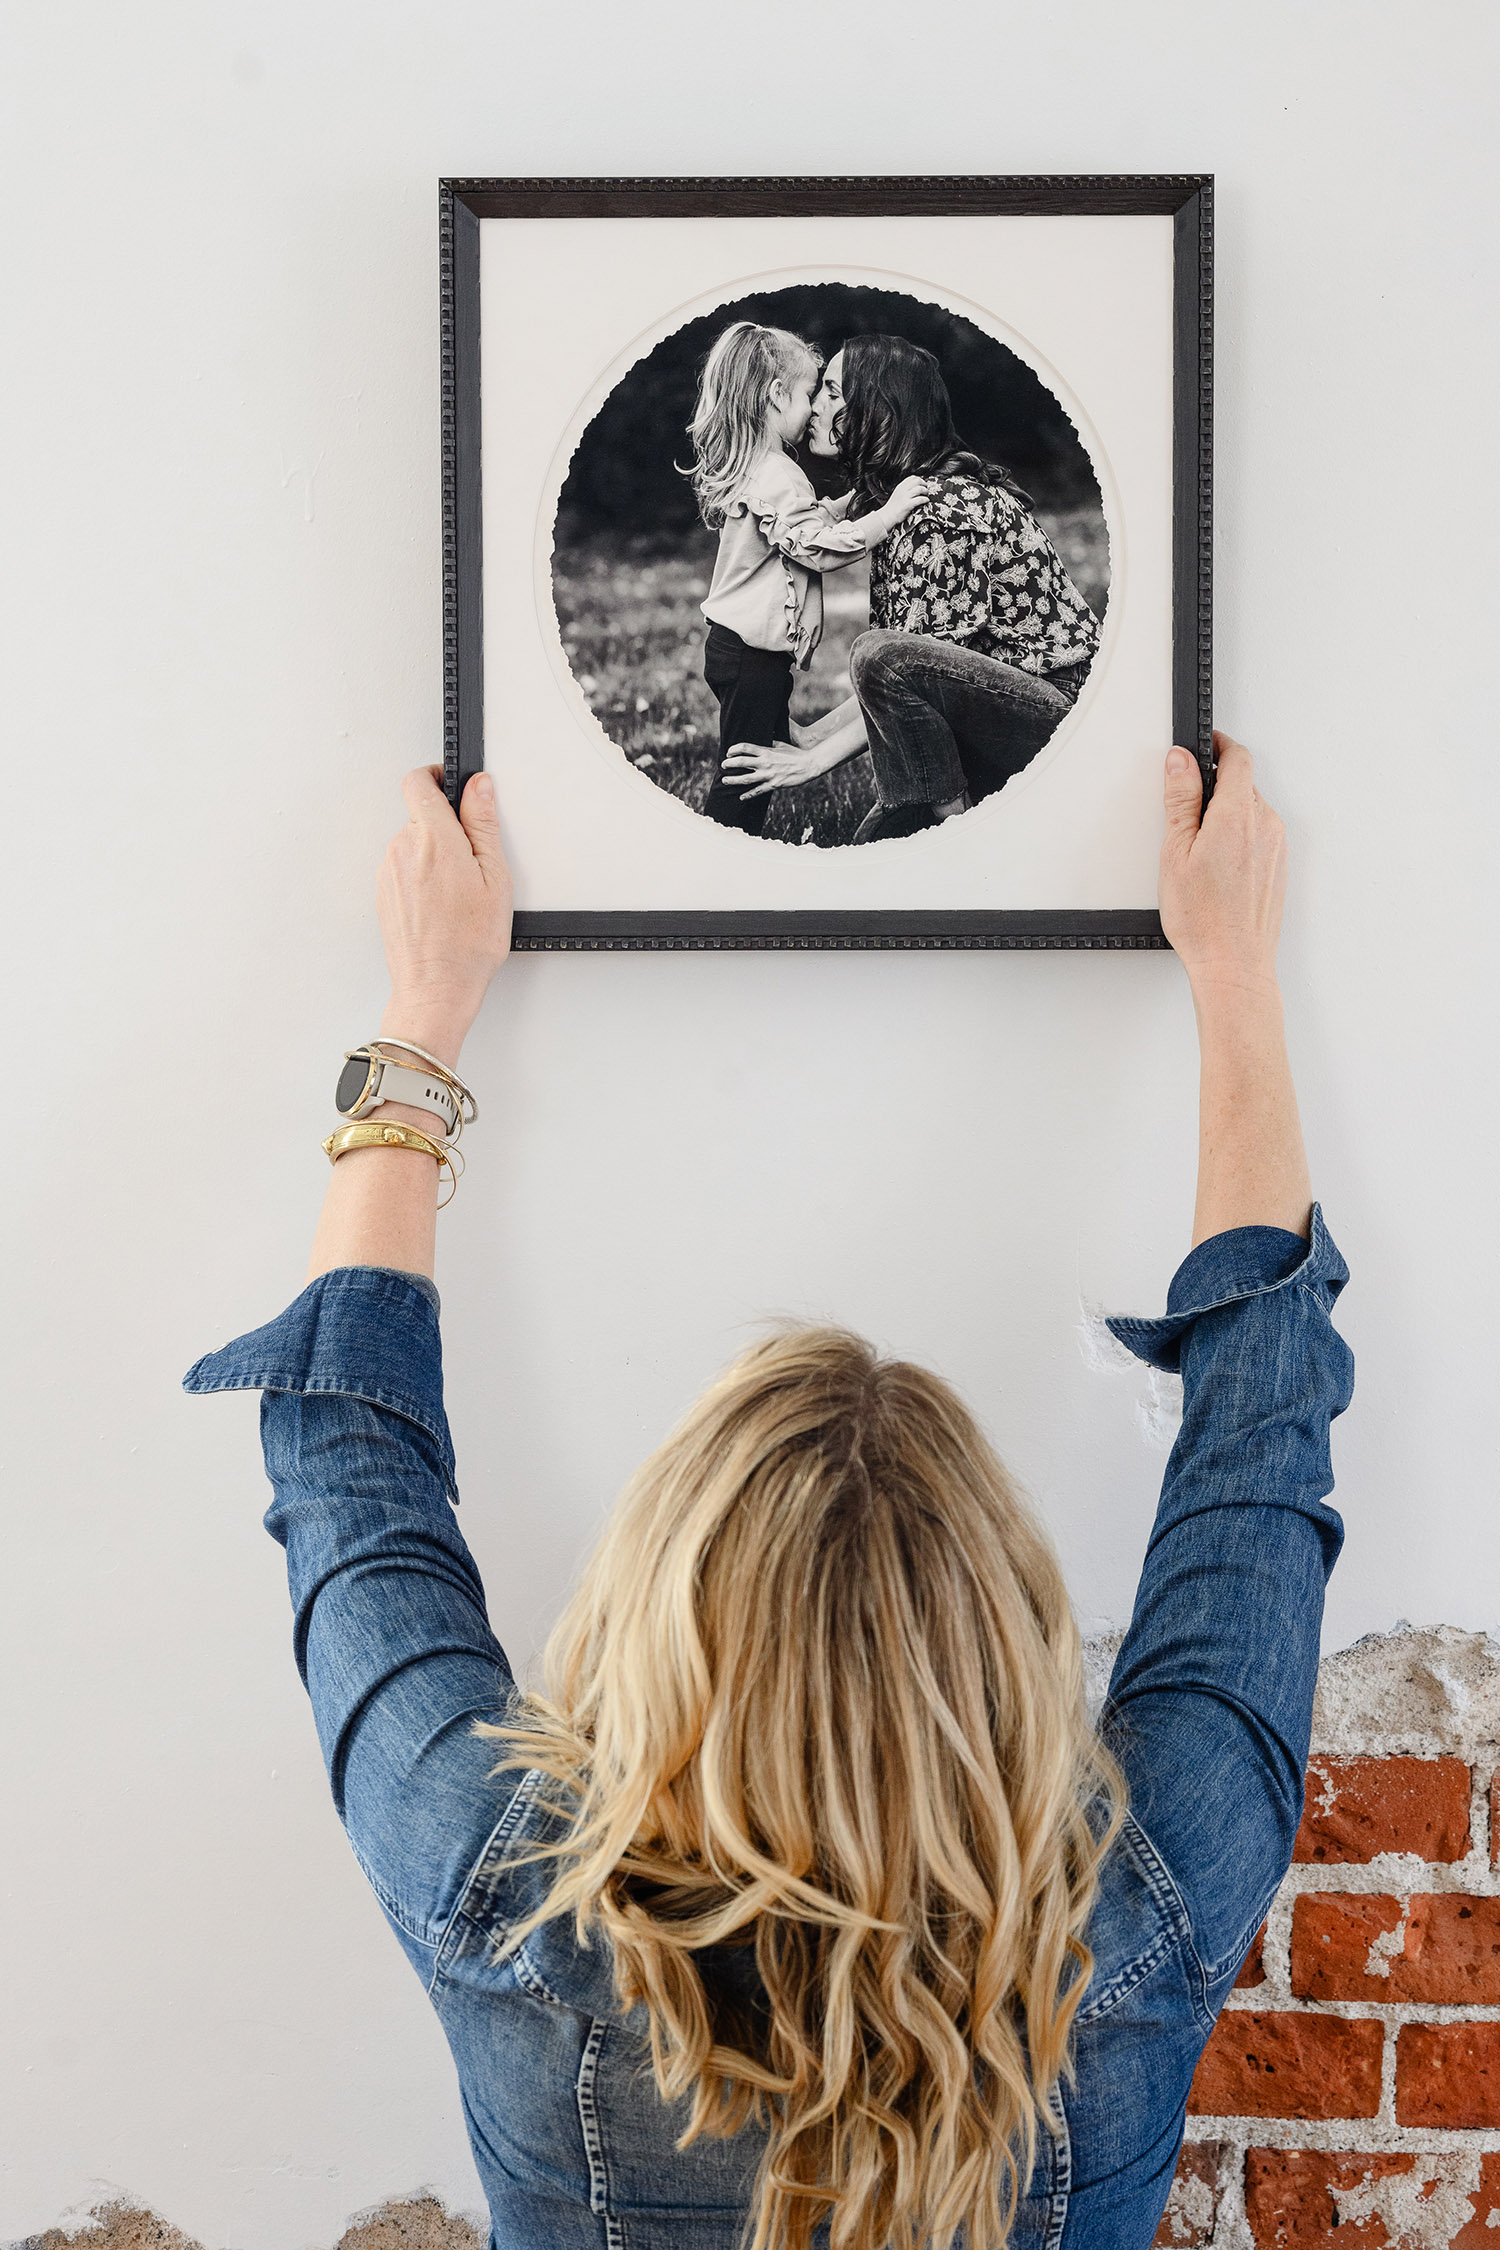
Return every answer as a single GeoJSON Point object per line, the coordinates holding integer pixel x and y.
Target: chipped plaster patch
{"type": "Point", "coordinates": [1422, 1688]}
{"type": "Point", "coordinates": [1422, 2209]}
{"type": "Point", "coordinates": [417, 2222]}
{"type": "Point", "coordinates": [1158, 1408]}
{"type": "Point", "coordinates": [1099, 1653]}
{"type": "Point", "coordinates": [111, 2226]}
{"type": "Point", "coordinates": [1190, 2210]}
{"type": "Point", "coordinates": [1385, 1948]}
{"type": "Point", "coordinates": [1159, 1414]}
{"type": "Point", "coordinates": [1101, 1352]}
{"type": "Point", "coordinates": [1328, 1795]}
{"type": "Point", "coordinates": [420, 2224]}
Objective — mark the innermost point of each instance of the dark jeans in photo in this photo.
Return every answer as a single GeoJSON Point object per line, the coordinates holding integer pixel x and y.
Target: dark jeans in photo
{"type": "Point", "coordinates": [943, 720]}
{"type": "Point", "coordinates": [754, 688]}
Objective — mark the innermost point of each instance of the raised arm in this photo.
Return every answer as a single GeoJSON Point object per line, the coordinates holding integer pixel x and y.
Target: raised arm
{"type": "Point", "coordinates": [444, 895]}
{"type": "Point", "coordinates": [390, 1629]}
{"type": "Point", "coordinates": [1210, 1703]}
{"type": "Point", "coordinates": [1222, 886]}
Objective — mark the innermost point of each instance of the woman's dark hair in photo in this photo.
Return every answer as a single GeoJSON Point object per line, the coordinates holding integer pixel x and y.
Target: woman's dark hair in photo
{"type": "Point", "coordinates": [897, 421]}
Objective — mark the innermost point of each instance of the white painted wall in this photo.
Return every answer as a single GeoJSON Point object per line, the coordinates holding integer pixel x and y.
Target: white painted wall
{"type": "Point", "coordinates": [222, 615]}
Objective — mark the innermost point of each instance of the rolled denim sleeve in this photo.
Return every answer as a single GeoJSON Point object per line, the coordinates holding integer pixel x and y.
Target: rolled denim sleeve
{"type": "Point", "coordinates": [390, 1630]}
{"type": "Point", "coordinates": [1210, 1703]}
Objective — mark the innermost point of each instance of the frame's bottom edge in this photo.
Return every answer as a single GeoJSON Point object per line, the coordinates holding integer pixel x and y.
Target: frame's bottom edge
{"type": "Point", "coordinates": [1065, 930]}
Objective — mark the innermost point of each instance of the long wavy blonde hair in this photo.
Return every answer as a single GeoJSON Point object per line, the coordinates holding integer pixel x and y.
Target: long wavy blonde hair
{"type": "Point", "coordinates": [821, 1692]}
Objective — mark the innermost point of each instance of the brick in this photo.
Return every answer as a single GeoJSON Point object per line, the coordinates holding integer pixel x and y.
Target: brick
{"type": "Point", "coordinates": [1444, 1950]}
{"type": "Point", "coordinates": [1356, 1808]}
{"type": "Point", "coordinates": [1254, 1969]}
{"type": "Point", "coordinates": [1193, 2203]}
{"type": "Point", "coordinates": [1289, 2195]}
{"type": "Point", "coordinates": [1333, 1934]}
{"type": "Point", "coordinates": [1479, 2232]}
{"type": "Point", "coordinates": [1448, 2075]}
{"type": "Point", "coordinates": [1279, 2063]}
{"type": "Point", "coordinates": [1377, 2200]}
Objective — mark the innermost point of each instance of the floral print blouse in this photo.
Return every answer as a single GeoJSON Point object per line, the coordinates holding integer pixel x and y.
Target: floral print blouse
{"type": "Point", "coordinates": [973, 565]}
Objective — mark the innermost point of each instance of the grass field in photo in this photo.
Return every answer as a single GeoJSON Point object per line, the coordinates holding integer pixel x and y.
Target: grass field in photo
{"type": "Point", "coordinates": [633, 634]}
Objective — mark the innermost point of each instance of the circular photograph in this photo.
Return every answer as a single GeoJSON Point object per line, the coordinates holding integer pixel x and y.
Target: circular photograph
{"type": "Point", "coordinates": [830, 565]}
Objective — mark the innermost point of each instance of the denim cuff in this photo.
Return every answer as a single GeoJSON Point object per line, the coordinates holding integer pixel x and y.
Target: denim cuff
{"type": "Point", "coordinates": [365, 1332]}
{"type": "Point", "coordinates": [1229, 1268]}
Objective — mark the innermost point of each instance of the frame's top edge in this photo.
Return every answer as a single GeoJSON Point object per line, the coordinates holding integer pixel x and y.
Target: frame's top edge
{"type": "Point", "coordinates": [1187, 183]}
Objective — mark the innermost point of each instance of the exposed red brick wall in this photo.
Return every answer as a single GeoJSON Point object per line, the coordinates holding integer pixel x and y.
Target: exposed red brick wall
{"type": "Point", "coordinates": [1350, 2093]}
{"type": "Point", "coordinates": [1445, 1949]}
{"type": "Point", "coordinates": [1297, 2196]}
{"type": "Point", "coordinates": [1357, 1808]}
{"type": "Point", "coordinates": [1259, 2064]}
{"type": "Point", "coordinates": [1448, 2074]}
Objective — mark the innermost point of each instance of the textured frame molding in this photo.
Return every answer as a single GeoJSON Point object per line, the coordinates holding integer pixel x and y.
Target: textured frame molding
{"type": "Point", "coordinates": [1187, 198]}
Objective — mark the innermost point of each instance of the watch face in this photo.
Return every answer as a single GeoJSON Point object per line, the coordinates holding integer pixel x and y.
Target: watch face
{"type": "Point", "coordinates": [353, 1079]}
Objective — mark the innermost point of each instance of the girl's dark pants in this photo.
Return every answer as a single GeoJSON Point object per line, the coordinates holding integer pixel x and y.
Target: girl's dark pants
{"type": "Point", "coordinates": [942, 720]}
{"type": "Point", "coordinates": [754, 688]}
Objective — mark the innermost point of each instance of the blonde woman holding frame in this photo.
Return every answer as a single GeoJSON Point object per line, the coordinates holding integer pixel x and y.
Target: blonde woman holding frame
{"type": "Point", "coordinates": [806, 1907]}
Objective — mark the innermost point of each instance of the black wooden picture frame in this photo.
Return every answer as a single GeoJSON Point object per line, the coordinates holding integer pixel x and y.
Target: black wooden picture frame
{"type": "Point", "coordinates": [1186, 198]}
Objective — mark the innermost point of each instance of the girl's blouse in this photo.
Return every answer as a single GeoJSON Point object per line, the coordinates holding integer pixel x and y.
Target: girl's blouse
{"type": "Point", "coordinates": [971, 564]}
{"type": "Point", "coordinates": [776, 541]}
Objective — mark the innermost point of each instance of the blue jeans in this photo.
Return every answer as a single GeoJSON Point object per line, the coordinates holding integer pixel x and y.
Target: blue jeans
{"type": "Point", "coordinates": [943, 720]}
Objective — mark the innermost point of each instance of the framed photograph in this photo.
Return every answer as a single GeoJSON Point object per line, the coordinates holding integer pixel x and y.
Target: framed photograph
{"type": "Point", "coordinates": [827, 562]}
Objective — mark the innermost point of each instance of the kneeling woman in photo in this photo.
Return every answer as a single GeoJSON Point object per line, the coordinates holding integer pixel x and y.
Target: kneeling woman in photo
{"type": "Point", "coordinates": [979, 640]}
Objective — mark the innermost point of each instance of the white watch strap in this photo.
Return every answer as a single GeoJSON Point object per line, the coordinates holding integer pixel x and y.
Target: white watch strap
{"type": "Point", "coordinates": [414, 1087]}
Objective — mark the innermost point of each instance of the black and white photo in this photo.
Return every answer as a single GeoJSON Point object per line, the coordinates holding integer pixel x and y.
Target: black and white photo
{"type": "Point", "coordinates": [830, 564]}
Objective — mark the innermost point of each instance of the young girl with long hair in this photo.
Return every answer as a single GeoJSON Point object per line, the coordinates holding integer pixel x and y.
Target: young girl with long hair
{"type": "Point", "coordinates": [805, 1906]}
{"type": "Point", "coordinates": [776, 538]}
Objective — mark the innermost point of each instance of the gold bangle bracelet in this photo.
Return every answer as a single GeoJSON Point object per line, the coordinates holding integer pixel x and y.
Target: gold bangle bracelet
{"type": "Point", "coordinates": [371, 1135]}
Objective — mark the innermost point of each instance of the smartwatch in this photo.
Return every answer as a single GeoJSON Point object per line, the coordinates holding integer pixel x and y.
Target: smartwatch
{"type": "Point", "coordinates": [367, 1080]}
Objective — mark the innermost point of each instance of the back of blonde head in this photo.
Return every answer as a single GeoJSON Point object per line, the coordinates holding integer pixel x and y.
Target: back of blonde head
{"type": "Point", "coordinates": [821, 1692]}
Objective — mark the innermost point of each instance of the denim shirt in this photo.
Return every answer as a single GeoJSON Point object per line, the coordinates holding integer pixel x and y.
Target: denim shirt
{"type": "Point", "coordinates": [1209, 1711]}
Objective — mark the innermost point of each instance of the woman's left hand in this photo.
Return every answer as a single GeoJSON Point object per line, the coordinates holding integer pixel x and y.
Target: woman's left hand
{"type": "Point", "coordinates": [756, 768]}
{"type": "Point", "coordinates": [444, 894]}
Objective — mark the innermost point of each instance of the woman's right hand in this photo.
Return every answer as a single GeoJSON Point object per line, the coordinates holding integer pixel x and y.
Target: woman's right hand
{"type": "Point", "coordinates": [1223, 872]}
